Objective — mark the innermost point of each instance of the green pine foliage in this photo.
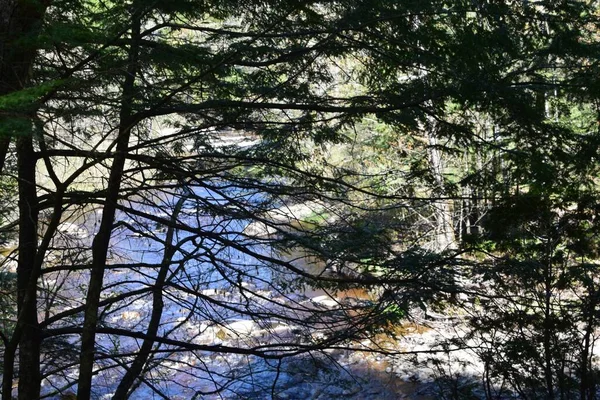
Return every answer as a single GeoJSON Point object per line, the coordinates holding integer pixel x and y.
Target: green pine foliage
{"type": "Point", "coordinates": [451, 149]}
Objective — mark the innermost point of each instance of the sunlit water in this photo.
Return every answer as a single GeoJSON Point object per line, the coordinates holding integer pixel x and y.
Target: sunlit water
{"type": "Point", "coordinates": [216, 278]}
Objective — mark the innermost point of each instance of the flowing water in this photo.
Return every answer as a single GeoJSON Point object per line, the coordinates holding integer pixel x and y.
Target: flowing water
{"type": "Point", "coordinates": [218, 271]}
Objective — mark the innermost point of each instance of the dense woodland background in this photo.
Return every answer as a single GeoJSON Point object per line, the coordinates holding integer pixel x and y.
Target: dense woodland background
{"type": "Point", "coordinates": [197, 193]}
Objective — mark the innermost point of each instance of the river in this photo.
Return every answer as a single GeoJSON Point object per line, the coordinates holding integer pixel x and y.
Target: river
{"type": "Point", "coordinates": [223, 288]}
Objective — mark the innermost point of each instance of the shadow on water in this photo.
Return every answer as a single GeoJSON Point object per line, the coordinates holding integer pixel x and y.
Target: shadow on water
{"type": "Point", "coordinates": [339, 374]}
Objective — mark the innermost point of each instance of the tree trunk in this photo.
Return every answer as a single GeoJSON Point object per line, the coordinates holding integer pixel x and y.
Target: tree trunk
{"type": "Point", "coordinates": [445, 238]}
{"type": "Point", "coordinates": [102, 239]}
{"type": "Point", "coordinates": [587, 384]}
{"type": "Point", "coordinates": [26, 334]}
{"type": "Point", "coordinates": [548, 331]}
{"type": "Point", "coordinates": [20, 19]}
{"type": "Point", "coordinates": [29, 343]}
{"type": "Point", "coordinates": [4, 145]}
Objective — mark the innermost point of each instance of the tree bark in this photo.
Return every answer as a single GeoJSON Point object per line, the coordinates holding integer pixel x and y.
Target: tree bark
{"type": "Point", "coordinates": [26, 334]}
{"type": "Point", "coordinates": [587, 384]}
{"type": "Point", "coordinates": [29, 344]}
{"type": "Point", "coordinates": [548, 331]}
{"type": "Point", "coordinates": [20, 19]}
{"type": "Point", "coordinates": [445, 239]}
{"type": "Point", "coordinates": [101, 241]}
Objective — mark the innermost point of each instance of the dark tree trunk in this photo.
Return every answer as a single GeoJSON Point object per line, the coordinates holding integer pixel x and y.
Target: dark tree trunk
{"type": "Point", "coordinates": [18, 19]}
{"type": "Point", "coordinates": [587, 383]}
{"type": "Point", "coordinates": [29, 344]}
{"type": "Point", "coordinates": [22, 19]}
{"type": "Point", "coordinates": [102, 239]}
{"type": "Point", "coordinates": [26, 334]}
{"type": "Point", "coordinates": [4, 145]}
{"type": "Point", "coordinates": [548, 330]}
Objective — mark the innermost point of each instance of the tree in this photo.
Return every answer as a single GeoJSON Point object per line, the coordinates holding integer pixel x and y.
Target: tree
{"type": "Point", "coordinates": [169, 170]}
{"type": "Point", "coordinates": [533, 263]}
{"type": "Point", "coordinates": [19, 24]}
{"type": "Point", "coordinates": [127, 142]}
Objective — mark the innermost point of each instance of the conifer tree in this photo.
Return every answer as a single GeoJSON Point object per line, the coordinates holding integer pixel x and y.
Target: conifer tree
{"type": "Point", "coordinates": [168, 171]}
{"type": "Point", "coordinates": [166, 147]}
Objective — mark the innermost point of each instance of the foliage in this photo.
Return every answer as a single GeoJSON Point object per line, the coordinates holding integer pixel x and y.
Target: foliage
{"type": "Point", "coordinates": [179, 147]}
{"type": "Point", "coordinates": [165, 134]}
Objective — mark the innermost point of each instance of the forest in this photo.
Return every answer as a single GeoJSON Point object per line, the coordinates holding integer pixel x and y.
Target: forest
{"type": "Point", "coordinates": [299, 199]}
